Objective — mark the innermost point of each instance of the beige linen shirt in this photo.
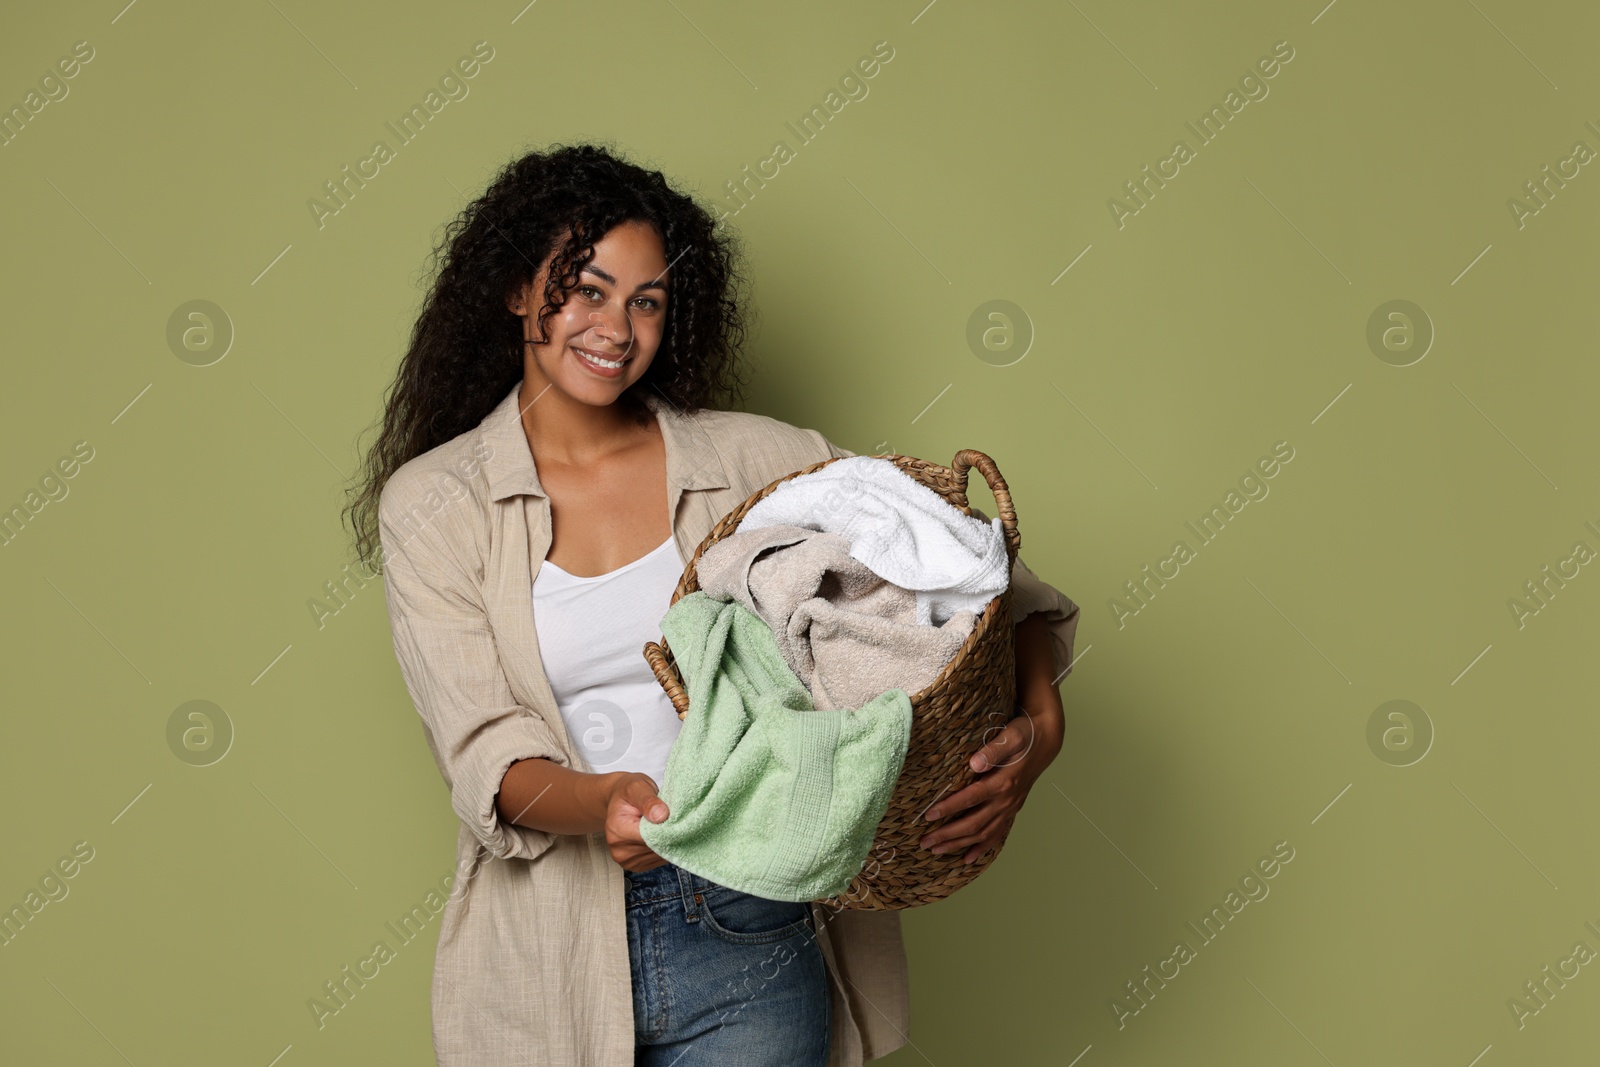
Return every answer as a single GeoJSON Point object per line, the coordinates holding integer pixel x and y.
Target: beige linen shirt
{"type": "Point", "coordinates": [532, 964]}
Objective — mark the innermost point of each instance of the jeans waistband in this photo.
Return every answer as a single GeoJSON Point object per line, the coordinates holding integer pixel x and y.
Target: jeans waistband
{"type": "Point", "coordinates": [668, 881]}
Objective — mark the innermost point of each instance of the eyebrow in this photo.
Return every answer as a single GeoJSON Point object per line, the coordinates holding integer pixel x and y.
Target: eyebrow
{"type": "Point", "coordinates": [652, 284]}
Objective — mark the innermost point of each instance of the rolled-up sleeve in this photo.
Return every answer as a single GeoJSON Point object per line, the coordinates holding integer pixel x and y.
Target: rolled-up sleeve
{"type": "Point", "coordinates": [1030, 595]}
{"type": "Point", "coordinates": [475, 727]}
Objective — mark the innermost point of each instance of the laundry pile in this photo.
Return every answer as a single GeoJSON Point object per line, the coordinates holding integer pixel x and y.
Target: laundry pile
{"type": "Point", "coordinates": [842, 592]}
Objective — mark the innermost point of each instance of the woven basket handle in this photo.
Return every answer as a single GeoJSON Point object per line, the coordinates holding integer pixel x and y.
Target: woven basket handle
{"type": "Point", "coordinates": [968, 458]}
{"type": "Point", "coordinates": [668, 677]}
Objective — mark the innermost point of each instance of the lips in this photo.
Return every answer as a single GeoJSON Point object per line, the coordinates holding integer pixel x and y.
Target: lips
{"type": "Point", "coordinates": [609, 357]}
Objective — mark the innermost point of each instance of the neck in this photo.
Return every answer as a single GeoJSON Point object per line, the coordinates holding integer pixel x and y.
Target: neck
{"type": "Point", "coordinates": [567, 431]}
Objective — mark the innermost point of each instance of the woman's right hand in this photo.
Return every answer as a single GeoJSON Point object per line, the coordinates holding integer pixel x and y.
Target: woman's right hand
{"type": "Point", "coordinates": [633, 796]}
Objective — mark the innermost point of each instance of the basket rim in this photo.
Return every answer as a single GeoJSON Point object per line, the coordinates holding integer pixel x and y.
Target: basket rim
{"type": "Point", "coordinates": [985, 620]}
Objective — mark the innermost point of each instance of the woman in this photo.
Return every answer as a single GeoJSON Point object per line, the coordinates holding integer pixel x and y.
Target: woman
{"type": "Point", "coordinates": [587, 315]}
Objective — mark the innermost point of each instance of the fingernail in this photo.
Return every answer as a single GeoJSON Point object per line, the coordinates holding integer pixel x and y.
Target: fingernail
{"type": "Point", "coordinates": [933, 813]}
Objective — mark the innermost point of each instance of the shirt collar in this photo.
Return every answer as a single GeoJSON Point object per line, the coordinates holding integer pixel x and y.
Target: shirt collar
{"type": "Point", "coordinates": [693, 461]}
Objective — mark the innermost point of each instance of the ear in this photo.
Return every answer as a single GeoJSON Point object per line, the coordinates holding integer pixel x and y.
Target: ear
{"type": "Point", "coordinates": [517, 301]}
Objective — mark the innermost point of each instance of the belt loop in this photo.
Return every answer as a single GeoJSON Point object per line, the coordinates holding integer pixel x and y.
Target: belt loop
{"type": "Point", "coordinates": [691, 894]}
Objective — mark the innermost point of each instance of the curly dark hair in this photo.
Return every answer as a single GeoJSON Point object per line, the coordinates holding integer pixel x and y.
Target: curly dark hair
{"type": "Point", "coordinates": [466, 347]}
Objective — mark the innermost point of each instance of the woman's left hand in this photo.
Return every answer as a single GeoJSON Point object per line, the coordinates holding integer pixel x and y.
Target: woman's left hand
{"type": "Point", "coordinates": [1008, 764]}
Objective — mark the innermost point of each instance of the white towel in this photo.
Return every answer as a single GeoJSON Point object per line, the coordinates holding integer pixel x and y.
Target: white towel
{"type": "Point", "coordinates": [900, 529]}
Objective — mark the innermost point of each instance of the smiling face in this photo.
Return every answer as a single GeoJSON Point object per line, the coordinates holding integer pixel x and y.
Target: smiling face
{"type": "Point", "coordinates": [617, 312]}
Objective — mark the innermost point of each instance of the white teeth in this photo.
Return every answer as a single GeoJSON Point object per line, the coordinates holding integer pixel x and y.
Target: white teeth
{"type": "Point", "coordinates": [600, 362]}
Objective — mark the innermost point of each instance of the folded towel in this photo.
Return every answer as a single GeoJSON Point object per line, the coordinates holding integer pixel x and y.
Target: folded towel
{"type": "Point", "coordinates": [901, 529]}
{"type": "Point", "coordinates": [766, 794]}
{"type": "Point", "coordinates": [846, 632]}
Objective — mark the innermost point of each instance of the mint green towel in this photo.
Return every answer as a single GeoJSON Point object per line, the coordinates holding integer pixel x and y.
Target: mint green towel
{"type": "Point", "coordinates": [766, 794]}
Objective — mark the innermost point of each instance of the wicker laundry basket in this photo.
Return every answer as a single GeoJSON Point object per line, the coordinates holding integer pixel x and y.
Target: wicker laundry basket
{"type": "Point", "coordinates": [952, 717]}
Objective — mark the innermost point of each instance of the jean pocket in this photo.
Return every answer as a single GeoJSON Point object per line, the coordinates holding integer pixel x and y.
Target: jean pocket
{"type": "Point", "coordinates": [745, 919]}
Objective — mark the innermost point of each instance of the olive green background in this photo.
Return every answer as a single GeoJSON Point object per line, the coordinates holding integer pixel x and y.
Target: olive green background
{"type": "Point", "coordinates": [1230, 313]}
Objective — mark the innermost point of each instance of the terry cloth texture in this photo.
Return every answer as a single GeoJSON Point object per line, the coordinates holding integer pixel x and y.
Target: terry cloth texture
{"type": "Point", "coordinates": [845, 632]}
{"type": "Point", "coordinates": [902, 530]}
{"type": "Point", "coordinates": [766, 794]}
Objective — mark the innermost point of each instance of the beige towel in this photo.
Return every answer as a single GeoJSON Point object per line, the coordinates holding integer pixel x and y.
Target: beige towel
{"type": "Point", "coordinates": [848, 634]}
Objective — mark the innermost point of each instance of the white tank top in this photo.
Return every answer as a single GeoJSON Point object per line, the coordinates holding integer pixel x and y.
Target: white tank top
{"type": "Point", "coordinates": [591, 633]}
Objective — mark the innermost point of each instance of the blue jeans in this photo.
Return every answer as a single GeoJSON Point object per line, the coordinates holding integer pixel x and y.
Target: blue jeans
{"type": "Point", "coordinates": [723, 977]}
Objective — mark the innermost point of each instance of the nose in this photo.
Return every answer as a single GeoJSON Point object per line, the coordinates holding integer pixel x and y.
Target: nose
{"type": "Point", "coordinates": [613, 324]}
